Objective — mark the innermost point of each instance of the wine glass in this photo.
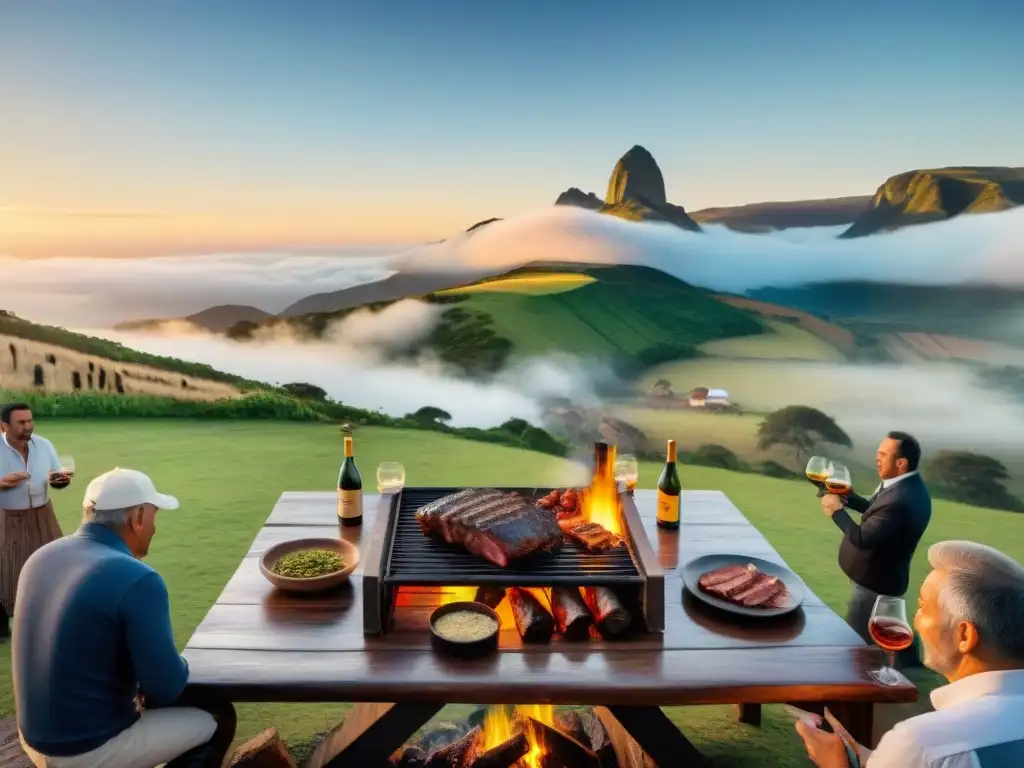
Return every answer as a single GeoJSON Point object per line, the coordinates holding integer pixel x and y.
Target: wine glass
{"type": "Point", "coordinates": [390, 477]}
{"type": "Point", "coordinates": [627, 471]}
{"type": "Point", "coordinates": [889, 628]}
{"type": "Point", "coordinates": [817, 471]}
{"type": "Point", "coordinates": [838, 480]}
{"type": "Point", "coordinates": [67, 464]}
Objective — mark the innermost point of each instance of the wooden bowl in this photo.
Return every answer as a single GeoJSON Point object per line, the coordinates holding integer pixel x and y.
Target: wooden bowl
{"type": "Point", "coordinates": [465, 649]}
{"type": "Point", "coordinates": [344, 548]}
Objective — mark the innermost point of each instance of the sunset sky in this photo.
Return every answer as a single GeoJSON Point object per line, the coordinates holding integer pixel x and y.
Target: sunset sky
{"type": "Point", "coordinates": [169, 126]}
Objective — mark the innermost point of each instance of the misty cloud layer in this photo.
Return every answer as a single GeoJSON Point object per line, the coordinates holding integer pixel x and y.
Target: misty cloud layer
{"type": "Point", "coordinates": [100, 292]}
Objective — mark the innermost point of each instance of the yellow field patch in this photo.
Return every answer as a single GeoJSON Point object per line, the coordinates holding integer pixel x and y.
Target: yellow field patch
{"type": "Point", "coordinates": [535, 285]}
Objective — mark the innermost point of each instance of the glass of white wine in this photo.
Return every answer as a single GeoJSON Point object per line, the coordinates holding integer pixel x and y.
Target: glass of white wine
{"type": "Point", "coordinates": [627, 471]}
{"type": "Point", "coordinates": [390, 477]}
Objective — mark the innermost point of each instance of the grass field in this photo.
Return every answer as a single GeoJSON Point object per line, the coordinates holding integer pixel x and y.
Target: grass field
{"type": "Point", "coordinates": [620, 311]}
{"type": "Point", "coordinates": [228, 476]}
{"type": "Point", "coordinates": [786, 341]}
{"type": "Point", "coordinates": [537, 284]}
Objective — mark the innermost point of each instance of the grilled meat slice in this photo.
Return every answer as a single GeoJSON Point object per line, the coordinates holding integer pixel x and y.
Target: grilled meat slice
{"type": "Point", "coordinates": [721, 575]}
{"type": "Point", "coordinates": [429, 515]}
{"type": "Point", "coordinates": [496, 525]}
{"type": "Point", "coordinates": [735, 585]}
{"type": "Point", "coordinates": [593, 536]}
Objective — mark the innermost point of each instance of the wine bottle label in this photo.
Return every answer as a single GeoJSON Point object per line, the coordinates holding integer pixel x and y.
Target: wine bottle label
{"type": "Point", "coordinates": [668, 507]}
{"type": "Point", "coordinates": [350, 504]}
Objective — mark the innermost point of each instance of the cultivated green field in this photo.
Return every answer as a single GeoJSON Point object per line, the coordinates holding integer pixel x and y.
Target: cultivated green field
{"type": "Point", "coordinates": [786, 341]}
{"type": "Point", "coordinates": [229, 474]}
{"type": "Point", "coordinates": [531, 284]}
{"type": "Point", "coordinates": [622, 311]}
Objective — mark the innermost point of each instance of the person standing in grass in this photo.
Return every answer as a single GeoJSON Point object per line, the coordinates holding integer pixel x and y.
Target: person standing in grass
{"type": "Point", "coordinates": [970, 616]}
{"type": "Point", "coordinates": [876, 554]}
{"type": "Point", "coordinates": [28, 464]}
{"type": "Point", "coordinates": [98, 680]}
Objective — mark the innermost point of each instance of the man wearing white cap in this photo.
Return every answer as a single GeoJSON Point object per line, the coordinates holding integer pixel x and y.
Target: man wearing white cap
{"type": "Point", "coordinates": [92, 631]}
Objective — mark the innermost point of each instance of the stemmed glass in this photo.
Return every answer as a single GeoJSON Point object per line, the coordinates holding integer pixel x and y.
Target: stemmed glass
{"type": "Point", "coordinates": [390, 477]}
{"type": "Point", "coordinates": [889, 628]}
{"type": "Point", "coordinates": [627, 471]}
{"type": "Point", "coordinates": [838, 480]}
{"type": "Point", "coordinates": [817, 471]}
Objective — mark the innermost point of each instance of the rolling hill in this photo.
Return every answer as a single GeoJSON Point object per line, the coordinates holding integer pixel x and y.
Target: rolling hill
{"type": "Point", "coordinates": [768, 217]}
{"type": "Point", "coordinates": [216, 319]}
{"type": "Point", "coordinates": [629, 316]}
{"type": "Point", "coordinates": [922, 196]}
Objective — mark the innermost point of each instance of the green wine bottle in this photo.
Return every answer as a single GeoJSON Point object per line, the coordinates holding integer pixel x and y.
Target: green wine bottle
{"type": "Point", "coordinates": [350, 489]}
{"type": "Point", "coordinates": [669, 490]}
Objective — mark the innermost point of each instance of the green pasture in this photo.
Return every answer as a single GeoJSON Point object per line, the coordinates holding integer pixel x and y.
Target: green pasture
{"type": "Point", "coordinates": [783, 341]}
{"type": "Point", "coordinates": [229, 474]}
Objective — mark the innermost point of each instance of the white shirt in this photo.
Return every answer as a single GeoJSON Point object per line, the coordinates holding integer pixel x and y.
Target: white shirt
{"type": "Point", "coordinates": [42, 460]}
{"type": "Point", "coordinates": [890, 482]}
{"type": "Point", "coordinates": [977, 723]}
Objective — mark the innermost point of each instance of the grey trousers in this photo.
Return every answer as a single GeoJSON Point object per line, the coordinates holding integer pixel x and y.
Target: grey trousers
{"type": "Point", "coordinates": [858, 614]}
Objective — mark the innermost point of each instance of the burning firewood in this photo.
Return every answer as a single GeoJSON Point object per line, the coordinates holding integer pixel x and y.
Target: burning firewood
{"type": "Point", "coordinates": [504, 755]}
{"type": "Point", "coordinates": [586, 728]}
{"type": "Point", "coordinates": [457, 754]}
{"type": "Point", "coordinates": [572, 617]}
{"type": "Point", "coordinates": [411, 757]}
{"type": "Point", "coordinates": [489, 596]}
{"type": "Point", "coordinates": [560, 749]}
{"type": "Point", "coordinates": [533, 621]}
{"type": "Point", "coordinates": [610, 617]}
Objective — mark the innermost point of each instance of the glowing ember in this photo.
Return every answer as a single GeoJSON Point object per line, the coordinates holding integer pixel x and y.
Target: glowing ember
{"type": "Point", "coordinates": [601, 500]}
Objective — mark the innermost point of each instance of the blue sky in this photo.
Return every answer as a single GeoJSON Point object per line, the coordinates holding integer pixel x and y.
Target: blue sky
{"type": "Point", "coordinates": [327, 121]}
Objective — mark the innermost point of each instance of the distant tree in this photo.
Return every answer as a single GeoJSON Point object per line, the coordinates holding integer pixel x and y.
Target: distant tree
{"type": "Point", "coordinates": [662, 388]}
{"type": "Point", "coordinates": [305, 391]}
{"type": "Point", "coordinates": [800, 428]}
{"type": "Point", "coordinates": [719, 456]}
{"type": "Point", "coordinates": [429, 414]}
{"type": "Point", "coordinates": [971, 478]}
{"type": "Point", "coordinates": [516, 427]}
{"type": "Point", "coordinates": [241, 331]}
{"type": "Point", "coordinates": [774, 469]}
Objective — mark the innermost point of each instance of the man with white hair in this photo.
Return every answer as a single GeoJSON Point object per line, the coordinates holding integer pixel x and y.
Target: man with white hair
{"type": "Point", "coordinates": [970, 617]}
{"type": "Point", "coordinates": [93, 645]}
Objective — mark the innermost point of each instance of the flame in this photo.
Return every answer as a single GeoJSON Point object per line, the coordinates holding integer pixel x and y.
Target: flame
{"type": "Point", "coordinates": [601, 500]}
{"type": "Point", "coordinates": [500, 726]}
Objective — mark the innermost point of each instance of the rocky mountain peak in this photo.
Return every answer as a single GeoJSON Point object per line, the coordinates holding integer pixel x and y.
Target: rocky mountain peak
{"type": "Point", "coordinates": [636, 177]}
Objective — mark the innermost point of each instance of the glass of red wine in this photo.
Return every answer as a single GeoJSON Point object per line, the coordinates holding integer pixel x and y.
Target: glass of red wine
{"type": "Point", "coordinates": [889, 628]}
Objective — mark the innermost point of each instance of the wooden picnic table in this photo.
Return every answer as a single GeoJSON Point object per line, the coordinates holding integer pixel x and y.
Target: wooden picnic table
{"type": "Point", "coordinates": [258, 644]}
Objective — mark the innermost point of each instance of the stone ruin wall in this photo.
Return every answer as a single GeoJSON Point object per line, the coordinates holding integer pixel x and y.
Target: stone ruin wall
{"type": "Point", "coordinates": [26, 365]}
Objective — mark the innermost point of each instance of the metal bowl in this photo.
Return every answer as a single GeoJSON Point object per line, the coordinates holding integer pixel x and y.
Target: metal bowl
{"type": "Point", "coordinates": [465, 649]}
{"type": "Point", "coordinates": [344, 548]}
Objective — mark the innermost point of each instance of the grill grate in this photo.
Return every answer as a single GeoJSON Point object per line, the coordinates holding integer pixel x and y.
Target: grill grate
{"type": "Point", "coordinates": [417, 559]}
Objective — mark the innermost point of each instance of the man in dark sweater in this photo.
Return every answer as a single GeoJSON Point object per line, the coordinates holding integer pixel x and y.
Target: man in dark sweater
{"type": "Point", "coordinates": [93, 646]}
{"type": "Point", "coordinates": [876, 554]}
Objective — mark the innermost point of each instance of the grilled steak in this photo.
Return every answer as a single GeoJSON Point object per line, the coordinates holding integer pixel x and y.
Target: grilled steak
{"type": "Point", "coordinates": [496, 525]}
{"type": "Point", "coordinates": [593, 536]}
{"type": "Point", "coordinates": [745, 586]}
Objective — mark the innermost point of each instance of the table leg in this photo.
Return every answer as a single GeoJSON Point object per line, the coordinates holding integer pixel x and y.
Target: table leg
{"type": "Point", "coordinates": [749, 714]}
{"type": "Point", "coordinates": [658, 736]}
{"type": "Point", "coordinates": [858, 717]}
{"type": "Point", "coordinates": [371, 734]}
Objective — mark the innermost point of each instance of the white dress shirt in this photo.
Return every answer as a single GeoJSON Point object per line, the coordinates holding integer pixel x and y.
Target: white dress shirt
{"type": "Point", "coordinates": [42, 460]}
{"type": "Point", "coordinates": [977, 723]}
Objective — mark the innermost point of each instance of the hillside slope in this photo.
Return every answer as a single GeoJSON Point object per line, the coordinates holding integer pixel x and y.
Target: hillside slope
{"type": "Point", "coordinates": [919, 197]}
{"type": "Point", "coordinates": [767, 217]}
{"type": "Point", "coordinates": [216, 319]}
{"type": "Point", "coordinates": [627, 316]}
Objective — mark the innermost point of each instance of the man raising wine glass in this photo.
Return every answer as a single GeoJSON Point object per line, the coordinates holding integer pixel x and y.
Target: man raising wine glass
{"type": "Point", "coordinates": [876, 554]}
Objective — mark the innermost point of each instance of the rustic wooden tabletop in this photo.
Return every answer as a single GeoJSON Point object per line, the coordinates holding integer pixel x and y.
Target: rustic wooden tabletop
{"type": "Point", "coordinates": [259, 644]}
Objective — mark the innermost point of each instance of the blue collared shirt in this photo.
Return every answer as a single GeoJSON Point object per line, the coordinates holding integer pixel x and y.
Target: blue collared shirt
{"type": "Point", "coordinates": [92, 626]}
{"type": "Point", "coordinates": [42, 460]}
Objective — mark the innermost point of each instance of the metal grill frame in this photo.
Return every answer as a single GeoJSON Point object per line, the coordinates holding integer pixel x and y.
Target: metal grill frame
{"type": "Point", "coordinates": [380, 581]}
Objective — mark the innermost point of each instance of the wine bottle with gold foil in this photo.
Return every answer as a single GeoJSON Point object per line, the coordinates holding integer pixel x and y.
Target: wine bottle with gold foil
{"type": "Point", "coordinates": [350, 489]}
{"type": "Point", "coordinates": [669, 491]}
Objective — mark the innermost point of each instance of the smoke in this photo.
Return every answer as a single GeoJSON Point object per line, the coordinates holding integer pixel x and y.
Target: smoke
{"type": "Point", "coordinates": [353, 364]}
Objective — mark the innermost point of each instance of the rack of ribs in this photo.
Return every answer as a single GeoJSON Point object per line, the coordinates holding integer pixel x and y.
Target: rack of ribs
{"type": "Point", "coordinates": [496, 525]}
